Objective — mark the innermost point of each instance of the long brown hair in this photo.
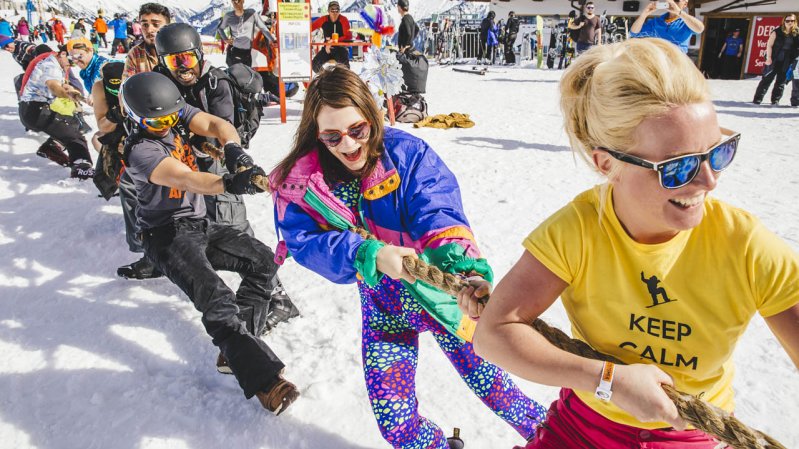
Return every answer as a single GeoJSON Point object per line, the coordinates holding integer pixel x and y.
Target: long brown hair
{"type": "Point", "coordinates": [337, 88]}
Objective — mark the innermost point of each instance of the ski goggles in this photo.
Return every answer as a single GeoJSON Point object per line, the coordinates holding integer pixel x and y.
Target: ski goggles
{"type": "Point", "coordinates": [160, 124]}
{"type": "Point", "coordinates": [186, 60]}
{"type": "Point", "coordinates": [680, 171]}
{"type": "Point", "coordinates": [332, 138]}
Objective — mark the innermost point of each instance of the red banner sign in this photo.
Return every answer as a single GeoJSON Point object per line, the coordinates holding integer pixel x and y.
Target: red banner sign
{"type": "Point", "coordinates": [757, 46]}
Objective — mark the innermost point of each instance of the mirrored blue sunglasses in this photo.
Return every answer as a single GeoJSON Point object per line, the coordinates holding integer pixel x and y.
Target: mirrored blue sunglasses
{"type": "Point", "coordinates": [681, 170]}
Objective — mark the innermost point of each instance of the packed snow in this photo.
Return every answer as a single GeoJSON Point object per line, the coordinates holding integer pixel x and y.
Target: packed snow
{"type": "Point", "coordinates": [94, 361]}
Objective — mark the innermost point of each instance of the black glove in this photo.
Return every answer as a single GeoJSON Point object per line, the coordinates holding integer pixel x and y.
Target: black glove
{"type": "Point", "coordinates": [242, 182]}
{"type": "Point", "coordinates": [236, 157]}
{"type": "Point", "coordinates": [114, 115]}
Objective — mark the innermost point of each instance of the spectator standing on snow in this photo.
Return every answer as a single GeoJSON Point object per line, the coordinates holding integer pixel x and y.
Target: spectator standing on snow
{"type": "Point", "coordinates": [78, 29]}
{"type": "Point", "coordinates": [24, 30]}
{"type": "Point", "coordinates": [101, 27]}
{"type": "Point", "coordinates": [511, 31]}
{"type": "Point", "coordinates": [59, 30]}
{"type": "Point", "coordinates": [781, 50]}
{"type": "Point", "coordinates": [488, 37]}
{"type": "Point", "coordinates": [676, 26]}
{"type": "Point", "coordinates": [407, 28]}
{"type": "Point", "coordinates": [730, 55]}
{"type": "Point", "coordinates": [237, 29]}
{"type": "Point", "coordinates": [590, 29]}
{"type": "Point", "coordinates": [120, 26]}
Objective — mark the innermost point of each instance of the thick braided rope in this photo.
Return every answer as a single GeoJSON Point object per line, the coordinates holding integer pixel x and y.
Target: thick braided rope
{"type": "Point", "coordinates": [700, 414]}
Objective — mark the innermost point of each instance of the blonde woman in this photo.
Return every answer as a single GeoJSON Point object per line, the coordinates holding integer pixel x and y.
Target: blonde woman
{"type": "Point", "coordinates": [782, 49]}
{"type": "Point", "coordinates": [637, 261]}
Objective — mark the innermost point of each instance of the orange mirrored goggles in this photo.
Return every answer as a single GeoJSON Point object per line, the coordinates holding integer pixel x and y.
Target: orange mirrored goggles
{"type": "Point", "coordinates": [186, 60]}
{"type": "Point", "coordinates": [159, 124]}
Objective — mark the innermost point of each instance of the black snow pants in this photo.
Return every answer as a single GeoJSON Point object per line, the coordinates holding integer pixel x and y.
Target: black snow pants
{"type": "Point", "coordinates": [778, 70]}
{"type": "Point", "coordinates": [37, 116]}
{"type": "Point", "coordinates": [189, 251]}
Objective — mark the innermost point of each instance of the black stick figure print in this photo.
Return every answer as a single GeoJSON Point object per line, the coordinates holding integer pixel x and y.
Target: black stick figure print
{"type": "Point", "coordinates": [655, 291]}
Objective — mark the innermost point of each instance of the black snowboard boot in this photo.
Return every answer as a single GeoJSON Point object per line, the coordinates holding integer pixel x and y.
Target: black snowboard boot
{"type": "Point", "coordinates": [455, 441]}
{"type": "Point", "coordinates": [53, 150]}
{"type": "Point", "coordinates": [82, 169]}
{"type": "Point", "coordinates": [281, 309]}
{"type": "Point", "coordinates": [141, 269]}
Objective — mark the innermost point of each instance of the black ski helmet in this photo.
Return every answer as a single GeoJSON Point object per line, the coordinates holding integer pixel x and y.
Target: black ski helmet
{"type": "Point", "coordinates": [177, 38]}
{"type": "Point", "coordinates": [150, 95]}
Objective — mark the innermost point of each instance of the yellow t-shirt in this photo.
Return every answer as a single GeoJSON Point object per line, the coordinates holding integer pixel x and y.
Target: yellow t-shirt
{"type": "Point", "coordinates": [681, 304]}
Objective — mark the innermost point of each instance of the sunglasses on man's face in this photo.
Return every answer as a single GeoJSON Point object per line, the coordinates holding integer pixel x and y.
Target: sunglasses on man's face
{"type": "Point", "coordinates": [332, 138]}
{"type": "Point", "coordinates": [681, 170]}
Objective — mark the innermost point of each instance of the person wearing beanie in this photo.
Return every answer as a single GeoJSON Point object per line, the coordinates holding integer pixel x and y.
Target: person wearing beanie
{"type": "Point", "coordinates": [23, 52]}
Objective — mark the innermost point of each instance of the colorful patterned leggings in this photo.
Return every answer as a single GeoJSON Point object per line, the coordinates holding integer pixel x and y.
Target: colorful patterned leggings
{"type": "Point", "coordinates": [392, 321]}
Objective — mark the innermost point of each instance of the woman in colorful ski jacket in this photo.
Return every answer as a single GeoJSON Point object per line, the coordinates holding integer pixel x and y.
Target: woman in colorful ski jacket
{"type": "Point", "coordinates": [347, 171]}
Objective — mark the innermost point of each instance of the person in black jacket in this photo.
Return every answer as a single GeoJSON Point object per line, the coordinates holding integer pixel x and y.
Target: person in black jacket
{"type": "Point", "coordinates": [486, 27]}
{"type": "Point", "coordinates": [511, 30]}
{"type": "Point", "coordinates": [407, 29]}
{"type": "Point", "coordinates": [782, 49]}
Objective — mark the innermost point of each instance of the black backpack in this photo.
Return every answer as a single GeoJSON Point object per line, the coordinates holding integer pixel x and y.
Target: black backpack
{"type": "Point", "coordinates": [246, 85]}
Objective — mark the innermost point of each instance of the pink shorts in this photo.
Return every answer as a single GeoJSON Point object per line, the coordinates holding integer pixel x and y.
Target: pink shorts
{"type": "Point", "coordinates": [572, 424]}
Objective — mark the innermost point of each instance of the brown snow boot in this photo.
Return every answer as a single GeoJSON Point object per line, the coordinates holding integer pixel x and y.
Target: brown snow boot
{"type": "Point", "coordinates": [279, 397]}
{"type": "Point", "coordinates": [222, 366]}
